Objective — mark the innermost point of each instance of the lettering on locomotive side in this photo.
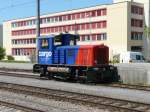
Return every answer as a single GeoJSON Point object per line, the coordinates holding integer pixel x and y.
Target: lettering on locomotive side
{"type": "Point", "coordinates": [45, 53]}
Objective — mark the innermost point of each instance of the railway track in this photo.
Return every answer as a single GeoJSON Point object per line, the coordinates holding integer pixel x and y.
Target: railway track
{"type": "Point", "coordinates": [9, 109]}
{"type": "Point", "coordinates": [101, 102]}
{"type": "Point", "coordinates": [115, 85]}
{"type": "Point", "coordinates": [127, 86]}
{"type": "Point", "coordinates": [20, 108]}
{"type": "Point", "coordinates": [23, 75]}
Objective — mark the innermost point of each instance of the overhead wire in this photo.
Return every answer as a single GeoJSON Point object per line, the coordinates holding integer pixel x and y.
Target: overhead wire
{"type": "Point", "coordinates": [17, 5]}
{"type": "Point", "coordinates": [14, 5]}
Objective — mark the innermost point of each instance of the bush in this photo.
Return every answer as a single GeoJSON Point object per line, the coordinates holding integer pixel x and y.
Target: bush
{"type": "Point", "coordinates": [9, 57]}
{"type": "Point", "coordinates": [115, 59]}
{"type": "Point", "coordinates": [33, 57]}
{"type": "Point", "coordinates": [2, 53]}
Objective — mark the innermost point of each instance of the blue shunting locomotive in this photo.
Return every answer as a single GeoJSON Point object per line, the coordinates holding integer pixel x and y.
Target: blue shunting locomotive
{"type": "Point", "coordinates": [59, 57]}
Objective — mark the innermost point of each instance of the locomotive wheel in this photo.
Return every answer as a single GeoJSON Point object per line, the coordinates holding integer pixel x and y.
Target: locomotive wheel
{"type": "Point", "coordinates": [42, 72]}
{"type": "Point", "coordinates": [49, 76]}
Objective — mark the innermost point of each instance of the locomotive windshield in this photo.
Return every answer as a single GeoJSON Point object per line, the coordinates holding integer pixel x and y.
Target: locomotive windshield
{"type": "Point", "coordinates": [58, 40]}
{"type": "Point", "coordinates": [65, 39]}
{"type": "Point", "coordinates": [73, 39]}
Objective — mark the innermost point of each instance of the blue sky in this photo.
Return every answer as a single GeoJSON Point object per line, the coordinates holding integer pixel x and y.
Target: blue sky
{"type": "Point", "coordinates": [13, 9]}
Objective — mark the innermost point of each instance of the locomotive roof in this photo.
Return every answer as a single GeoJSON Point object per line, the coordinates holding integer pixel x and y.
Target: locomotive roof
{"type": "Point", "coordinates": [71, 36]}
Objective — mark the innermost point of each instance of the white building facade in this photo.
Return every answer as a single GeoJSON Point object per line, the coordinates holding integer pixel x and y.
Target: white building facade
{"type": "Point", "coordinates": [119, 25]}
{"type": "Point", "coordinates": [146, 39]}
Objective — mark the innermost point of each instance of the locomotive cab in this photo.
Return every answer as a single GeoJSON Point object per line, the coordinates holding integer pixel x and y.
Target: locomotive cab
{"type": "Point", "coordinates": [48, 44]}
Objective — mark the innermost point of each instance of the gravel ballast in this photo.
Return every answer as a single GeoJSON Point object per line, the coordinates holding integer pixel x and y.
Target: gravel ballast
{"type": "Point", "coordinates": [127, 94]}
{"type": "Point", "coordinates": [47, 105]}
{"type": "Point", "coordinates": [8, 109]}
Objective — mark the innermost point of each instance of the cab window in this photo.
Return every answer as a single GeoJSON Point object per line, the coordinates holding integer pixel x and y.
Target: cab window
{"type": "Point", "coordinates": [44, 43]}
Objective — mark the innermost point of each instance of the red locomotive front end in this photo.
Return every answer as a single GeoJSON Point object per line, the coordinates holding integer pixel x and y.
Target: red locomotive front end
{"type": "Point", "coordinates": [92, 55]}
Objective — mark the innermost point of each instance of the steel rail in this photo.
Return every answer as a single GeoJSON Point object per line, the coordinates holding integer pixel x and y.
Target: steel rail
{"type": "Point", "coordinates": [115, 85]}
{"type": "Point", "coordinates": [22, 75]}
{"type": "Point", "coordinates": [19, 107]}
{"type": "Point", "coordinates": [98, 101]}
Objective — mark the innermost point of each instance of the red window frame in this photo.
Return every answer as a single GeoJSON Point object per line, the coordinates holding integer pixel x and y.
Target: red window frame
{"type": "Point", "coordinates": [78, 16]}
{"type": "Point", "coordinates": [104, 12]}
{"type": "Point", "coordinates": [93, 13]}
{"type": "Point", "coordinates": [93, 25]}
{"type": "Point", "coordinates": [64, 28]}
{"type": "Point", "coordinates": [73, 16]}
{"type": "Point", "coordinates": [69, 16]}
{"type": "Point", "coordinates": [64, 17]}
{"type": "Point", "coordinates": [83, 15]}
{"type": "Point", "coordinates": [87, 25]}
{"type": "Point", "coordinates": [99, 12]}
{"type": "Point", "coordinates": [104, 24]}
{"type": "Point", "coordinates": [83, 26]}
{"type": "Point", "coordinates": [88, 14]}
{"type": "Point", "coordinates": [52, 29]}
{"type": "Point", "coordinates": [94, 37]}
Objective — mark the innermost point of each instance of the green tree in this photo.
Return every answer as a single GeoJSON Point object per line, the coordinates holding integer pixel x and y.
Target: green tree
{"type": "Point", "coordinates": [2, 53]}
{"type": "Point", "coordinates": [147, 31]}
{"type": "Point", "coordinates": [147, 34]}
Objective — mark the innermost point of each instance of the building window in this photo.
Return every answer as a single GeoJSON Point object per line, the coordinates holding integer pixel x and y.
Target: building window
{"type": "Point", "coordinates": [93, 25]}
{"type": "Point", "coordinates": [101, 12]}
{"type": "Point", "coordinates": [83, 15]}
{"type": "Point", "coordinates": [98, 12]}
{"type": "Point", "coordinates": [34, 40]}
{"type": "Point", "coordinates": [102, 36]}
{"type": "Point", "coordinates": [13, 25]}
{"type": "Point", "coordinates": [88, 14]}
{"type": "Point", "coordinates": [59, 18]}
{"type": "Point", "coordinates": [136, 48]}
{"type": "Point", "coordinates": [136, 35]}
{"type": "Point", "coordinates": [83, 26]}
{"type": "Point", "coordinates": [69, 16]}
{"type": "Point", "coordinates": [137, 10]}
{"type": "Point", "coordinates": [88, 37]}
{"type": "Point", "coordinates": [73, 27]}
{"type": "Point", "coordinates": [48, 20]}
{"type": "Point", "coordinates": [64, 18]}
{"type": "Point", "coordinates": [52, 19]}
{"type": "Point", "coordinates": [87, 26]}
{"type": "Point", "coordinates": [23, 51]}
{"type": "Point", "coordinates": [94, 37]}
{"type": "Point", "coordinates": [104, 24]}
{"type": "Point", "coordinates": [73, 16]}
{"type": "Point", "coordinates": [93, 13]}
{"type": "Point", "coordinates": [99, 37]}
{"type": "Point", "coordinates": [83, 38]}
{"type": "Point", "coordinates": [56, 19]}
{"type": "Point", "coordinates": [23, 41]}
{"type": "Point", "coordinates": [78, 16]}
{"type": "Point", "coordinates": [136, 23]}
{"type": "Point", "coordinates": [43, 20]}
